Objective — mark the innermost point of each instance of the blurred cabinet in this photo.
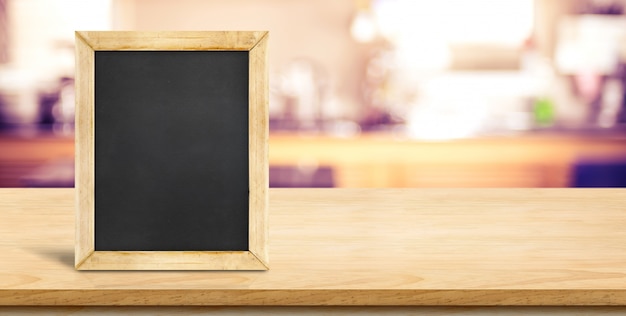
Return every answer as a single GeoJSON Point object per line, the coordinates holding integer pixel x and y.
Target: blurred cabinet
{"type": "Point", "coordinates": [386, 161]}
{"type": "Point", "coordinates": [23, 158]}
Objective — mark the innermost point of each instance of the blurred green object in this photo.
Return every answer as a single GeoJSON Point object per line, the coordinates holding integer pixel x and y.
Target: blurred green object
{"type": "Point", "coordinates": [543, 112]}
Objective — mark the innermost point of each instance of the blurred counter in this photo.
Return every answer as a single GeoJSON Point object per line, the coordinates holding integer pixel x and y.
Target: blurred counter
{"type": "Point", "coordinates": [37, 160]}
{"type": "Point", "coordinates": [385, 160]}
{"type": "Point", "coordinates": [366, 160]}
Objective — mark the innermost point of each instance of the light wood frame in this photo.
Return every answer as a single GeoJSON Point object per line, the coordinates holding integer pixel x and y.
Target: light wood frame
{"type": "Point", "coordinates": [256, 258]}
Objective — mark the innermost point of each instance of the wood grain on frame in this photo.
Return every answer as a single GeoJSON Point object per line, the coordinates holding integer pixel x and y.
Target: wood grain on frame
{"type": "Point", "coordinates": [258, 151]}
{"type": "Point", "coordinates": [257, 257]}
{"type": "Point", "coordinates": [84, 151]}
{"type": "Point", "coordinates": [126, 40]}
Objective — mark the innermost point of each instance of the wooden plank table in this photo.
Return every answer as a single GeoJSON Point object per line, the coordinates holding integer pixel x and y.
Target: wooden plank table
{"type": "Point", "coordinates": [431, 247]}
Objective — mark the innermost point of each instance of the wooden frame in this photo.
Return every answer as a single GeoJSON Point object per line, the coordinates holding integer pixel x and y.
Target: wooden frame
{"type": "Point", "coordinates": [86, 258]}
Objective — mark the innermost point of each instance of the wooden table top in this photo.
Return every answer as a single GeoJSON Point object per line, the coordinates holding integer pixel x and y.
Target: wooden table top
{"type": "Point", "coordinates": [353, 247]}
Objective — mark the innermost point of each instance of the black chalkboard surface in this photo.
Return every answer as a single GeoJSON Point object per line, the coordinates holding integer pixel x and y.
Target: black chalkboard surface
{"type": "Point", "coordinates": [180, 181]}
{"type": "Point", "coordinates": [171, 150]}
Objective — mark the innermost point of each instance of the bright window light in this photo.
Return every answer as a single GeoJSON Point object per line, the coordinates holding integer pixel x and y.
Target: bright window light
{"type": "Point", "coordinates": [507, 22]}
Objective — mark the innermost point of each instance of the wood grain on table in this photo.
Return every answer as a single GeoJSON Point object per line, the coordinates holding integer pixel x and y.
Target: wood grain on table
{"type": "Point", "coordinates": [353, 247]}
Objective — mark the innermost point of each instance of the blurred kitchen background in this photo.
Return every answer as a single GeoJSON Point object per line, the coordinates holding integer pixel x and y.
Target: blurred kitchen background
{"type": "Point", "coordinates": [364, 93]}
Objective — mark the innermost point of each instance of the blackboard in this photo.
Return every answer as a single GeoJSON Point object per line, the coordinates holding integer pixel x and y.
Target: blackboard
{"type": "Point", "coordinates": [171, 151]}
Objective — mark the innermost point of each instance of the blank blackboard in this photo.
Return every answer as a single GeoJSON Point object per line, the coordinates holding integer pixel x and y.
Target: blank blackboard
{"type": "Point", "coordinates": [180, 181]}
{"type": "Point", "coordinates": [171, 150]}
